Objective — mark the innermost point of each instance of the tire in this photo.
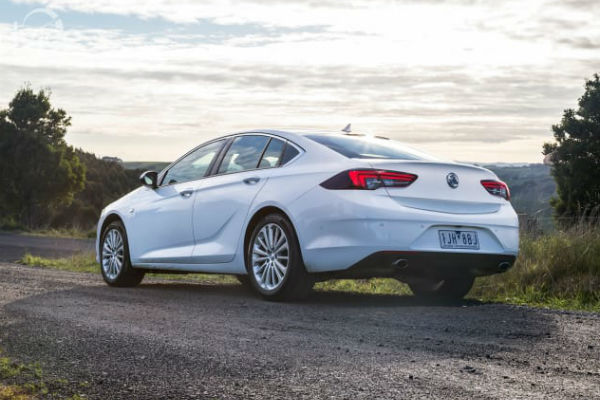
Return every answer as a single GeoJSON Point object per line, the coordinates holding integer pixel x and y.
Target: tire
{"type": "Point", "coordinates": [454, 288]}
{"type": "Point", "coordinates": [264, 263]}
{"type": "Point", "coordinates": [114, 249]}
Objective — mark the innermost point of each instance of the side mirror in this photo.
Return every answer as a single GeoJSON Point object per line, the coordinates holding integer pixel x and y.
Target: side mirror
{"type": "Point", "coordinates": [149, 179]}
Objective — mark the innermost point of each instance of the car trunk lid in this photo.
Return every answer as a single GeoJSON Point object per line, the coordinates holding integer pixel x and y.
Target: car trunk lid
{"type": "Point", "coordinates": [442, 187]}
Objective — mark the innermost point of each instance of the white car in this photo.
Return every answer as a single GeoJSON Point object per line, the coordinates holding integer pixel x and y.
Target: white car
{"type": "Point", "coordinates": [283, 210]}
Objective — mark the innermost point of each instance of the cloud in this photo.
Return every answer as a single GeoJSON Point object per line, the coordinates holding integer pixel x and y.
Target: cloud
{"type": "Point", "coordinates": [452, 76]}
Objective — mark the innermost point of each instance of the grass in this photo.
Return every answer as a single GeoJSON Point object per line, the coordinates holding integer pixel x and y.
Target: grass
{"type": "Point", "coordinates": [86, 262]}
{"type": "Point", "coordinates": [365, 286]}
{"type": "Point", "coordinates": [76, 263]}
{"type": "Point", "coordinates": [10, 225]}
{"type": "Point", "coordinates": [73, 233]}
{"type": "Point", "coordinates": [19, 381]}
{"type": "Point", "coordinates": [557, 270]}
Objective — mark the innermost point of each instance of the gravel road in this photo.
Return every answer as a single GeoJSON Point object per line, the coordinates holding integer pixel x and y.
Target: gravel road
{"type": "Point", "coordinates": [189, 340]}
{"type": "Point", "coordinates": [14, 246]}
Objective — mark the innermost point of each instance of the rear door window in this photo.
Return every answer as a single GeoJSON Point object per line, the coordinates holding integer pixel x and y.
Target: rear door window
{"type": "Point", "coordinates": [272, 154]}
{"type": "Point", "coordinates": [243, 154]}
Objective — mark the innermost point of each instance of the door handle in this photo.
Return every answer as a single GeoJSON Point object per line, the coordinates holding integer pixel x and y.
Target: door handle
{"type": "Point", "coordinates": [251, 181]}
{"type": "Point", "coordinates": [186, 193]}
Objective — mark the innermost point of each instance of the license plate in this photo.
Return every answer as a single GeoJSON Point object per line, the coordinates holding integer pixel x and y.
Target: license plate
{"type": "Point", "coordinates": [458, 240]}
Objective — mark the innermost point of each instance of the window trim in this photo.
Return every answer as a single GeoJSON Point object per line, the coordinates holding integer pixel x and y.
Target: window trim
{"type": "Point", "coordinates": [263, 152]}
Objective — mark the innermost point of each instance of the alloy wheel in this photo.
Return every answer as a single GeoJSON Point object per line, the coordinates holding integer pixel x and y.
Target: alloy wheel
{"type": "Point", "coordinates": [270, 257]}
{"type": "Point", "coordinates": [113, 251]}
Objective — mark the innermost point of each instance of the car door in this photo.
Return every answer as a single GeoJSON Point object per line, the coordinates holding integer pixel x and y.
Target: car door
{"type": "Point", "coordinates": [223, 200]}
{"type": "Point", "coordinates": [161, 230]}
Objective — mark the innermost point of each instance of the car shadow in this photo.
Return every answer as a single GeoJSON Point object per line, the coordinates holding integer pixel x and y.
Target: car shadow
{"type": "Point", "coordinates": [322, 297]}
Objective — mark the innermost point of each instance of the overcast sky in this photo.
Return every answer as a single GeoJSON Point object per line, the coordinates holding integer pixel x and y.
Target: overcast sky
{"type": "Point", "coordinates": [149, 79]}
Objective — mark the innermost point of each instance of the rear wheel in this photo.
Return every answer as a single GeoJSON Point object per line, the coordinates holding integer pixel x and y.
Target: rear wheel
{"type": "Point", "coordinates": [115, 264]}
{"type": "Point", "coordinates": [274, 262]}
{"type": "Point", "coordinates": [454, 288]}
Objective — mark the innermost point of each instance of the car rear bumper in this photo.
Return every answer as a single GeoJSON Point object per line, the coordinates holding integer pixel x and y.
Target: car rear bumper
{"type": "Point", "coordinates": [409, 265]}
{"type": "Point", "coordinates": [340, 230]}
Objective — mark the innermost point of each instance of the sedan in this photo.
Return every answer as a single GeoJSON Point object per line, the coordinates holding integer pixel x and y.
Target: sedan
{"type": "Point", "coordinates": [283, 210]}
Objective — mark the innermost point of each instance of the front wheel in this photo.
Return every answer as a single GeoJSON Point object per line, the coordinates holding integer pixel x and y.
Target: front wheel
{"type": "Point", "coordinates": [115, 264]}
{"type": "Point", "coordinates": [274, 261]}
{"type": "Point", "coordinates": [454, 288]}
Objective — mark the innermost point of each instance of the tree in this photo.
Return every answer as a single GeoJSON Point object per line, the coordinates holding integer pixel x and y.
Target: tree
{"type": "Point", "coordinates": [576, 156]}
{"type": "Point", "coordinates": [38, 170]}
{"type": "Point", "coordinates": [106, 181]}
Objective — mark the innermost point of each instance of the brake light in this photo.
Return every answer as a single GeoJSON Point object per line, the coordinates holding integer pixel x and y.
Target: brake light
{"type": "Point", "coordinates": [497, 188]}
{"type": "Point", "coordinates": [368, 179]}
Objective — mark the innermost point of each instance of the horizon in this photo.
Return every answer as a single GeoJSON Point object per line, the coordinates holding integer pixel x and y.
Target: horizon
{"type": "Point", "coordinates": [458, 79]}
{"type": "Point", "coordinates": [516, 163]}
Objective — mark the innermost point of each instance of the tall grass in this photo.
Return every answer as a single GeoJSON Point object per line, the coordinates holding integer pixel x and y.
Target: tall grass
{"type": "Point", "coordinates": [559, 269]}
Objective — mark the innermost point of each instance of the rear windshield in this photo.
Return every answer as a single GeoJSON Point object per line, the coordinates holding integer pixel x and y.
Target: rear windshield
{"type": "Point", "coordinates": [369, 147]}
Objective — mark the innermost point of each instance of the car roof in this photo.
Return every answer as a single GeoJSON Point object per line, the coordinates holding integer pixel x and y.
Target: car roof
{"type": "Point", "coordinates": [300, 133]}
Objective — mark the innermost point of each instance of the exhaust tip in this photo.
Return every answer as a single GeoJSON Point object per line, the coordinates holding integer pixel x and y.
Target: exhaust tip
{"type": "Point", "coordinates": [400, 264]}
{"type": "Point", "coordinates": [504, 266]}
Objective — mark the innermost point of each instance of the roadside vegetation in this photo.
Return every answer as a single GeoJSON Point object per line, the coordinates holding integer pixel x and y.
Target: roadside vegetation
{"type": "Point", "coordinates": [46, 183]}
{"type": "Point", "coordinates": [27, 381]}
{"type": "Point", "coordinates": [87, 263]}
{"type": "Point", "coordinates": [557, 270]}
{"type": "Point", "coordinates": [71, 232]}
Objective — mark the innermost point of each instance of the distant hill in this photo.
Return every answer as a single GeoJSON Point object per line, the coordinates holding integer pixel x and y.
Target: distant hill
{"type": "Point", "coordinates": [146, 165]}
{"type": "Point", "coordinates": [531, 187]}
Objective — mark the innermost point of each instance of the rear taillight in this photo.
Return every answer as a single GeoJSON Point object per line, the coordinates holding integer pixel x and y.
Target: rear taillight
{"type": "Point", "coordinates": [497, 188]}
{"type": "Point", "coordinates": [368, 179]}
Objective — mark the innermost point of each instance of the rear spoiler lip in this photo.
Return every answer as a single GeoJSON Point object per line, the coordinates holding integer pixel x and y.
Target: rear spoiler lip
{"type": "Point", "coordinates": [385, 164]}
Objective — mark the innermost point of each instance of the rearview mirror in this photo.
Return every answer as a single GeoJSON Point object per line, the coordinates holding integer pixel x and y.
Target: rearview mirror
{"type": "Point", "coordinates": [149, 179]}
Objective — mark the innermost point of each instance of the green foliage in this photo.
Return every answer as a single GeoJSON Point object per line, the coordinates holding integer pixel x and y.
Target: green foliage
{"type": "Point", "coordinates": [38, 170]}
{"type": "Point", "coordinates": [576, 155]}
{"type": "Point", "coordinates": [105, 183]}
{"type": "Point", "coordinates": [20, 381]}
{"type": "Point", "coordinates": [25, 380]}
{"type": "Point", "coordinates": [45, 182]}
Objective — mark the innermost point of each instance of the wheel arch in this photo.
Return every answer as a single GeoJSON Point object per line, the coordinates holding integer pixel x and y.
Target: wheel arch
{"type": "Point", "coordinates": [260, 213]}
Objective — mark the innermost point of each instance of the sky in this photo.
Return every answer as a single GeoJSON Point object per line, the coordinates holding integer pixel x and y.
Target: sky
{"type": "Point", "coordinates": [479, 81]}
